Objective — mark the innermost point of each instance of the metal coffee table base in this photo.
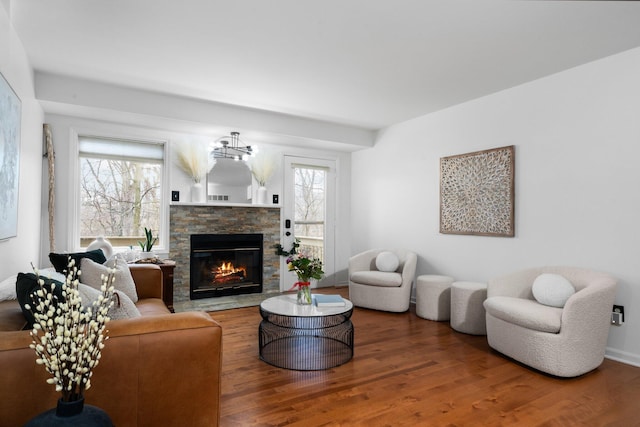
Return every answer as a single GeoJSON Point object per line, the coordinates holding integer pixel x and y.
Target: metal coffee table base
{"type": "Point", "coordinates": [306, 343]}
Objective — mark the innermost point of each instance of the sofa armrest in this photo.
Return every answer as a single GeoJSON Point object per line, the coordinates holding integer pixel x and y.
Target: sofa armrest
{"type": "Point", "coordinates": [587, 313]}
{"type": "Point", "coordinates": [409, 265]}
{"type": "Point", "coordinates": [170, 363]}
{"type": "Point", "coordinates": [156, 370]}
{"type": "Point", "coordinates": [148, 280]}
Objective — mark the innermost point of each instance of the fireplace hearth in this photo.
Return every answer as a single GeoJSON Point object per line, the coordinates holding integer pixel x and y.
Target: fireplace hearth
{"type": "Point", "coordinates": [225, 264]}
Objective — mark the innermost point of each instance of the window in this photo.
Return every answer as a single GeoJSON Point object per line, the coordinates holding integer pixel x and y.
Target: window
{"type": "Point", "coordinates": [309, 208]}
{"type": "Point", "coordinates": [120, 190]}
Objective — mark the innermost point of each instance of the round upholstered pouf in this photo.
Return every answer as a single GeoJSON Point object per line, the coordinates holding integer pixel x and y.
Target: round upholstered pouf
{"type": "Point", "coordinates": [467, 312]}
{"type": "Point", "coordinates": [433, 297]}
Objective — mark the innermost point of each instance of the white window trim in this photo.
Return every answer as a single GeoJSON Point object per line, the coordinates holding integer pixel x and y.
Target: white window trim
{"type": "Point", "coordinates": [74, 176]}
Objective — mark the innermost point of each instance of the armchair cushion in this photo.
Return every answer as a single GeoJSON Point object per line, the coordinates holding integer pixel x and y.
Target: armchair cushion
{"type": "Point", "coordinates": [526, 313]}
{"type": "Point", "coordinates": [387, 261]}
{"type": "Point", "coordinates": [552, 289]}
{"type": "Point", "coordinates": [377, 278]}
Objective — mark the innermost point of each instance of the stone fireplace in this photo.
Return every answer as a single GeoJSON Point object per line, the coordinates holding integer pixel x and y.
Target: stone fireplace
{"type": "Point", "coordinates": [187, 220]}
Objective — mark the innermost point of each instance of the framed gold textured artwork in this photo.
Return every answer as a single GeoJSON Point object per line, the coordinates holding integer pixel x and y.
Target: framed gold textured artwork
{"type": "Point", "coordinates": [477, 193]}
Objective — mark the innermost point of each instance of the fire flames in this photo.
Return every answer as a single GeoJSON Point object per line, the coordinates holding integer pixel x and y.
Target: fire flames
{"type": "Point", "coordinates": [227, 268]}
{"type": "Point", "coordinates": [228, 273]}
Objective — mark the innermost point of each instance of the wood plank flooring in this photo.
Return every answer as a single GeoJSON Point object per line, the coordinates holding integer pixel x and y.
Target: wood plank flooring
{"type": "Point", "coordinates": [408, 371]}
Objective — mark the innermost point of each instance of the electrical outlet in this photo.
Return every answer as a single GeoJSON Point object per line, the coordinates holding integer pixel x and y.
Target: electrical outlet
{"type": "Point", "coordinates": [617, 315]}
{"type": "Point", "coordinates": [616, 318]}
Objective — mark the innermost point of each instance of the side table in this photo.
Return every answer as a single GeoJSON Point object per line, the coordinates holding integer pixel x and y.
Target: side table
{"type": "Point", "coordinates": [433, 297]}
{"type": "Point", "coordinates": [467, 310]}
{"type": "Point", "coordinates": [167, 266]}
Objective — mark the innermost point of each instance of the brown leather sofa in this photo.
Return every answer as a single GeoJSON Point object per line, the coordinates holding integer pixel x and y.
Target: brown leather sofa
{"type": "Point", "coordinates": [160, 369]}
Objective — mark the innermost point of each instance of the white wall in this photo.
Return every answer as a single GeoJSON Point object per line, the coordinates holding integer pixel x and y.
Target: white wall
{"type": "Point", "coordinates": [17, 253]}
{"type": "Point", "coordinates": [577, 138]}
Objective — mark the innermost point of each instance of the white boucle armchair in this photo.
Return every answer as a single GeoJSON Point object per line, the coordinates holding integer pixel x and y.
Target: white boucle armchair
{"type": "Point", "coordinates": [380, 290]}
{"type": "Point", "coordinates": [564, 342]}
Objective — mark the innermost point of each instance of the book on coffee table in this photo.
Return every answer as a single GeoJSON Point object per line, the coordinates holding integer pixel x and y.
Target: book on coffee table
{"type": "Point", "coordinates": [323, 300]}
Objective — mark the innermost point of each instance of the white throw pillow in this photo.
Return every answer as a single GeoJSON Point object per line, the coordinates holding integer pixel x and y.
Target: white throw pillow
{"type": "Point", "coordinates": [8, 285]}
{"type": "Point", "coordinates": [51, 273]}
{"type": "Point", "coordinates": [123, 307]}
{"type": "Point", "coordinates": [8, 288]}
{"type": "Point", "coordinates": [552, 290]}
{"type": "Point", "coordinates": [387, 261]}
{"type": "Point", "coordinates": [91, 272]}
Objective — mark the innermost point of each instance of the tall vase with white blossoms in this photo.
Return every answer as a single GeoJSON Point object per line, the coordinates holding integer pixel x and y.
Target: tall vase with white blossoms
{"type": "Point", "coordinates": [193, 159]}
{"type": "Point", "coordinates": [68, 338]}
{"type": "Point", "coordinates": [263, 165]}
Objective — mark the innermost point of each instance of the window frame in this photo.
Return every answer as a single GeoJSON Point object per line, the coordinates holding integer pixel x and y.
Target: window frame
{"type": "Point", "coordinates": [74, 187]}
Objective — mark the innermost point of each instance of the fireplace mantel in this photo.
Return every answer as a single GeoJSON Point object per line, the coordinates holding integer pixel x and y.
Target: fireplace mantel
{"type": "Point", "coordinates": [226, 204]}
{"type": "Point", "coordinates": [186, 219]}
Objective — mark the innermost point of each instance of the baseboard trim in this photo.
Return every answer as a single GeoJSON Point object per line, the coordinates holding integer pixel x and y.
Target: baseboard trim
{"type": "Point", "coordinates": [622, 356]}
{"type": "Point", "coordinates": [610, 353]}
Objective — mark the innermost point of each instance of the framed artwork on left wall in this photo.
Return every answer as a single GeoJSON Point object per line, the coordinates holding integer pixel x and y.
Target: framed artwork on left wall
{"type": "Point", "coordinates": [10, 112]}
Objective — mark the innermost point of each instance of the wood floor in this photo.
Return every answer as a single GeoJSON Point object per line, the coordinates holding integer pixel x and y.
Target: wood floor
{"type": "Point", "coordinates": [408, 371]}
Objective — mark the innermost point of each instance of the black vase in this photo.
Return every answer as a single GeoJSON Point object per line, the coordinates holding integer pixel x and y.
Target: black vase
{"type": "Point", "coordinates": [74, 413]}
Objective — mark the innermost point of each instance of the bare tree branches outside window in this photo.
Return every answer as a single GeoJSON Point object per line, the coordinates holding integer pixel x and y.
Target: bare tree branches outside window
{"type": "Point", "coordinates": [119, 198]}
{"type": "Point", "coordinates": [310, 194]}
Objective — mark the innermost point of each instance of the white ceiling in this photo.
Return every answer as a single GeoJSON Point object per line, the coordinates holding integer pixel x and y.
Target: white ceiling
{"type": "Point", "coordinates": [366, 63]}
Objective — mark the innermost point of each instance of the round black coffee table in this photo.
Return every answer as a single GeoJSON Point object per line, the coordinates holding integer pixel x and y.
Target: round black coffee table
{"type": "Point", "coordinates": [304, 337]}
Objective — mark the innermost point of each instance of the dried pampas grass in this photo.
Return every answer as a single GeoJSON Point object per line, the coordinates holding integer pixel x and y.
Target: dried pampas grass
{"type": "Point", "coordinates": [263, 165]}
{"type": "Point", "coordinates": [193, 159]}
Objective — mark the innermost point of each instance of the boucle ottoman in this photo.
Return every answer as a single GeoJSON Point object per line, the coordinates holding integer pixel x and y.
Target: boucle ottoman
{"type": "Point", "coordinates": [433, 297]}
{"type": "Point", "coordinates": [467, 312]}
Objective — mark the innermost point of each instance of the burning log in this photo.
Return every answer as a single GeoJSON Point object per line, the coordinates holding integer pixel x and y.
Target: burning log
{"type": "Point", "coordinates": [228, 279]}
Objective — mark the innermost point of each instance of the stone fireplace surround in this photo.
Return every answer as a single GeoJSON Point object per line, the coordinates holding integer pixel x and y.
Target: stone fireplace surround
{"type": "Point", "coordinates": [187, 219]}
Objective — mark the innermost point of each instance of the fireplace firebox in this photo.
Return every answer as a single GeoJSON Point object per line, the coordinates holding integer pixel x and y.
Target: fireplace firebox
{"type": "Point", "coordinates": [225, 264]}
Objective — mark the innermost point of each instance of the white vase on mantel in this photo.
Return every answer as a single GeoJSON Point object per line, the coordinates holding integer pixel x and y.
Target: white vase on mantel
{"type": "Point", "coordinates": [197, 193]}
{"type": "Point", "coordinates": [261, 195]}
